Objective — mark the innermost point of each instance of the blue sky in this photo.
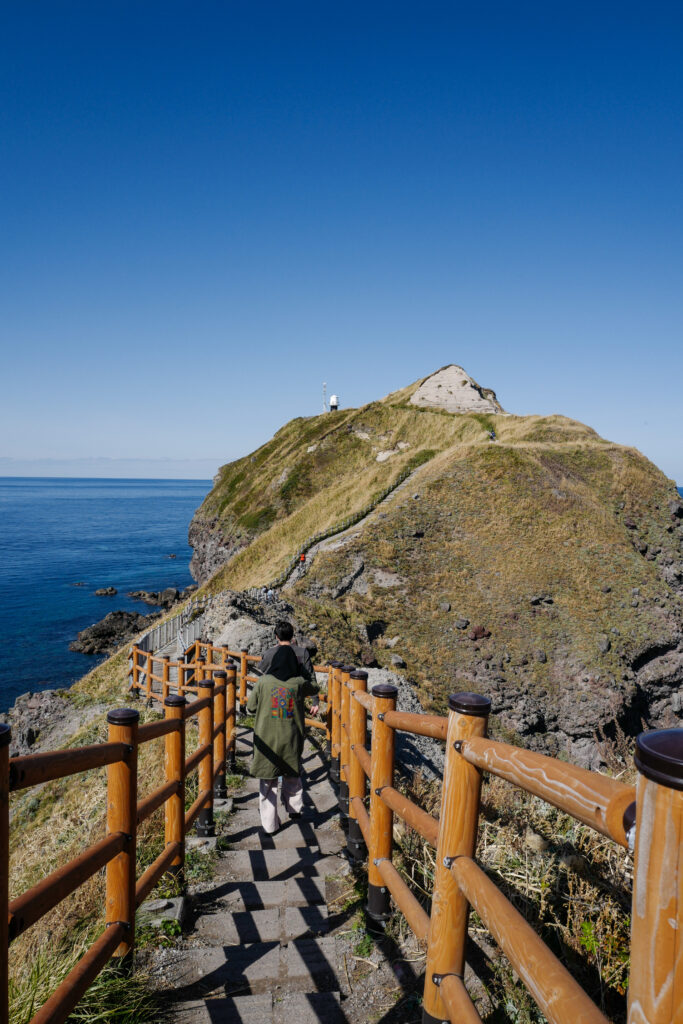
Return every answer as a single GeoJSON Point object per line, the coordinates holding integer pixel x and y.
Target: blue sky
{"type": "Point", "coordinates": [208, 209]}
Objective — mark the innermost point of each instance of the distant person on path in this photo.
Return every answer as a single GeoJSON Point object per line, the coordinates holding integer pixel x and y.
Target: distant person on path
{"type": "Point", "coordinates": [277, 703]}
{"type": "Point", "coordinates": [284, 634]}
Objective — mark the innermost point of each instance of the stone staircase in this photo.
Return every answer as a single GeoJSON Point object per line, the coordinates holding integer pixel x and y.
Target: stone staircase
{"type": "Point", "coordinates": [259, 948]}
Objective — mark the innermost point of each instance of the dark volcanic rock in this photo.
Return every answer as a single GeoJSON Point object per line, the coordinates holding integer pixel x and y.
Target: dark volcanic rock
{"type": "Point", "coordinates": [479, 633]}
{"type": "Point", "coordinates": [105, 636]}
{"type": "Point", "coordinates": [106, 592]}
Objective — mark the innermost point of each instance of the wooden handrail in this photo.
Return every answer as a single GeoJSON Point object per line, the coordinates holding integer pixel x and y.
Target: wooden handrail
{"type": "Point", "coordinates": [32, 769]}
{"type": "Point", "coordinates": [561, 999]}
{"type": "Point", "coordinates": [425, 824]}
{"type": "Point", "coordinates": [422, 725]}
{"type": "Point", "coordinates": [155, 800]}
{"type": "Point", "coordinates": [201, 802]}
{"type": "Point", "coordinates": [594, 799]}
{"type": "Point", "coordinates": [154, 730]}
{"type": "Point", "coordinates": [62, 1001]}
{"type": "Point", "coordinates": [28, 908]}
{"type": "Point", "coordinates": [416, 916]}
{"type": "Point", "coordinates": [151, 876]}
{"type": "Point", "coordinates": [195, 759]}
{"type": "Point", "coordinates": [197, 705]}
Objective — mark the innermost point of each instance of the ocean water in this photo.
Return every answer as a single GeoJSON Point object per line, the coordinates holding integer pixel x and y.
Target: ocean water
{"type": "Point", "coordinates": [58, 532]}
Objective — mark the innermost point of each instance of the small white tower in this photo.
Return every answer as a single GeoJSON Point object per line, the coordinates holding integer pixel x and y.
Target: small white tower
{"type": "Point", "coordinates": [334, 403]}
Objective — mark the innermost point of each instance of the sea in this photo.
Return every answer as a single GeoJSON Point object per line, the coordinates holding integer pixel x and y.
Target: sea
{"type": "Point", "coordinates": [63, 539]}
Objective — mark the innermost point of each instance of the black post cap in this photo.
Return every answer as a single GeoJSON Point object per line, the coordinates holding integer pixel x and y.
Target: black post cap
{"type": "Point", "coordinates": [470, 704]}
{"type": "Point", "coordinates": [221, 674]}
{"type": "Point", "coordinates": [336, 664]}
{"type": "Point", "coordinates": [385, 690]}
{"type": "Point", "coordinates": [205, 683]}
{"type": "Point", "coordinates": [123, 716]}
{"type": "Point", "coordinates": [5, 734]}
{"type": "Point", "coordinates": [175, 700]}
{"type": "Point", "coordinates": [231, 665]}
{"type": "Point", "coordinates": [358, 673]}
{"type": "Point", "coordinates": [659, 757]}
{"type": "Point", "coordinates": [348, 668]}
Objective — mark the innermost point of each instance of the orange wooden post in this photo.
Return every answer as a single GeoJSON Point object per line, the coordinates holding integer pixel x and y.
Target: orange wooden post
{"type": "Point", "coordinates": [5, 737]}
{"type": "Point", "coordinates": [220, 679]}
{"type": "Point", "coordinates": [122, 795]}
{"type": "Point", "coordinates": [181, 678]}
{"type": "Point", "coordinates": [174, 808]}
{"type": "Point", "coordinates": [655, 990]}
{"type": "Point", "coordinates": [356, 776]}
{"type": "Point", "coordinates": [198, 669]}
{"type": "Point", "coordinates": [165, 676]}
{"type": "Point", "coordinates": [328, 713]}
{"type": "Point", "coordinates": [381, 817]}
{"type": "Point", "coordinates": [231, 713]}
{"type": "Point", "coordinates": [344, 755]}
{"type": "Point", "coordinates": [135, 673]}
{"type": "Point", "coordinates": [244, 670]}
{"type": "Point", "coordinates": [150, 669]}
{"type": "Point", "coordinates": [205, 825]}
{"type": "Point", "coordinates": [335, 695]}
{"type": "Point", "coordinates": [468, 716]}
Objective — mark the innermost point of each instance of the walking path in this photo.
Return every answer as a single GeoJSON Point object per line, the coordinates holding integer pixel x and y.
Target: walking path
{"type": "Point", "coordinates": [258, 945]}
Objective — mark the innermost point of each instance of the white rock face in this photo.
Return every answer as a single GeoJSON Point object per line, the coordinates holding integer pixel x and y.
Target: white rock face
{"type": "Point", "coordinates": [455, 391]}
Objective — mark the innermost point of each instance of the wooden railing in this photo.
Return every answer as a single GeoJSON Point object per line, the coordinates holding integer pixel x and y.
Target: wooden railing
{"type": "Point", "coordinates": [655, 811]}
{"type": "Point", "coordinates": [126, 810]}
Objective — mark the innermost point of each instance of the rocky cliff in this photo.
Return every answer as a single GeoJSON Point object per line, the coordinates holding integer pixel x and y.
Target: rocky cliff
{"type": "Point", "coordinates": [543, 567]}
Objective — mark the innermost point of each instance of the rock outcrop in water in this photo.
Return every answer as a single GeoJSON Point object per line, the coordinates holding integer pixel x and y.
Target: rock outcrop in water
{"type": "Point", "coordinates": [105, 636]}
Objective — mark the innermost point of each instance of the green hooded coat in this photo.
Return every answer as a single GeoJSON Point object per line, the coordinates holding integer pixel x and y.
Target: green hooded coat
{"type": "Point", "coordinates": [278, 709]}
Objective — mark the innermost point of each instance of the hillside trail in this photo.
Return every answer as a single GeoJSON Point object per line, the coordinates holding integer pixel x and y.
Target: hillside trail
{"type": "Point", "coordinates": [259, 948]}
{"type": "Point", "coordinates": [337, 540]}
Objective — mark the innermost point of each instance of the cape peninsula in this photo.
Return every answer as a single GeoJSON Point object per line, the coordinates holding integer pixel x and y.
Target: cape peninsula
{"type": "Point", "coordinates": [524, 557]}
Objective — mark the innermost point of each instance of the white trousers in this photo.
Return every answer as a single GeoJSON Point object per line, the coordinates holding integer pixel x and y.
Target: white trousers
{"type": "Point", "coordinates": [292, 797]}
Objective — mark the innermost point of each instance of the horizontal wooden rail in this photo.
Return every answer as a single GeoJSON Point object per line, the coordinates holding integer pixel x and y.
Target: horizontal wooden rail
{"type": "Point", "coordinates": [362, 817]}
{"type": "Point", "coordinates": [457, 1001]}
{"type": "Point", "coordinates": [425, 824]}
{"type": "Point", "coordinates": [416, 916]}
{"type": "Point", "coordinates": [422, 725]}
{"type": "Point", "coordinates": [155, 800]}
{"type": "Point", "coordinates": [28, 908]}
{"type": "Point", "coordinates": [201, 800]}
{"type": "Point", "coordinates": [194, 759]}
{"type": "Point", "coordinates": [157, 868]}
{"type": "Point", "coordinates": [62, 1001]}
{"type": "Point", "coordinates": [153, 730]}
{"type": "Point", "coordinates": [32, 769]}
{"type": "Point", "coordinates": [197, 705]}
{"type": "Point", "coordinates": [314, 723]}
{"type": "Point", "coordinates": [364, 699]}
{"type": "Point", "coordinates": [560, 998]}
{"type": "Point", "coordinates": [594, 799]}
{"type": "Point", "coordinates": [364, 759]}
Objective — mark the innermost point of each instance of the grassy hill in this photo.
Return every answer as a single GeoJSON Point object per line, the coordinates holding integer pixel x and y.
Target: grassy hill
{"type": "Point", "coordinates": [558, 543]}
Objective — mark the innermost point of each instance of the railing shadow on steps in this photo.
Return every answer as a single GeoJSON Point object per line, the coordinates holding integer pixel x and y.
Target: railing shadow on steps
{"type": "Point", "coordinates": [651, 815]}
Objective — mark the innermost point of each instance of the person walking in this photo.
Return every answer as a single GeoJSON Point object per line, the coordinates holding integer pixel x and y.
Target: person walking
{"type": "Point", "coordinates": [277, 703]}
{"type": "Point", "coordinates": [284, 634]}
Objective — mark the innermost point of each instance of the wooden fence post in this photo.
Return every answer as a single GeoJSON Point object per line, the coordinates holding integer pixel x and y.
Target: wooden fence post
{"type": "Point", "coordinates": [381, 817]}
{"type": "Point", "coordinates": [459, 818]}
{"type": "Point", "coordinates": [5, 737]}
{"type": "Point", "coordinates": [150, 669]}
{"type": "Point", "coordinates": [244, 671]}
{"type": "Point", "coordinates": [231, 713]}
{"type": "Point", "coordinates": [135, 673]}
{"type": "Point", "coordinates": [328, 713]}
{"type": "Point", "coordinates": [181, 678]}
{"type": "Point", "coordinates": [198, 670]}
{"type": "Point", "coordinates": [336, 749]}
{"type": "Point", "coordinates": [174, 809]}
{"type": "Point", "coordinates": [344, 756]}
{"type": "Point", "coordinates": [356, 778]}
{"type": "Point", "coordinates": [205, 825]}
{"type": "Point", "coordinates": [655, 991]}
{"type": "Point", "coordinates": [122, 795]}
{"type": "Point", "coordinates": [220, 679]}
{"type": "Point", "coordinates": [165, 676]}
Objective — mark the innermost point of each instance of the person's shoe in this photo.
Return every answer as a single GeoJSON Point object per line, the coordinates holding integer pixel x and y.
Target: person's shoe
{"type": "Point", "coordinates": [295, 815]}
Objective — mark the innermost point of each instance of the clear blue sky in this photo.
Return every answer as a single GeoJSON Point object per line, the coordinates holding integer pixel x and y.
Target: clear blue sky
{"type": "Point", "coordinates": [207, 209]}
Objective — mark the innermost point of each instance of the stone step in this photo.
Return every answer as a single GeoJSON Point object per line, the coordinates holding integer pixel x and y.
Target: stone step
{"type": "Point", "coordinates": [303, 965]}
{"type": "Point", "coordinates": [277, 865]}
{"type": "Point", "coordinates": [302, 1007]}
{"type": "Point", "coordinates": [277, 924]}
{"type": "Point", "coordinates": [237, 897]}
{"type": "Point", "coordinates": [319, 798]}
{"type": "Point", "coordinates": [246, 834]}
